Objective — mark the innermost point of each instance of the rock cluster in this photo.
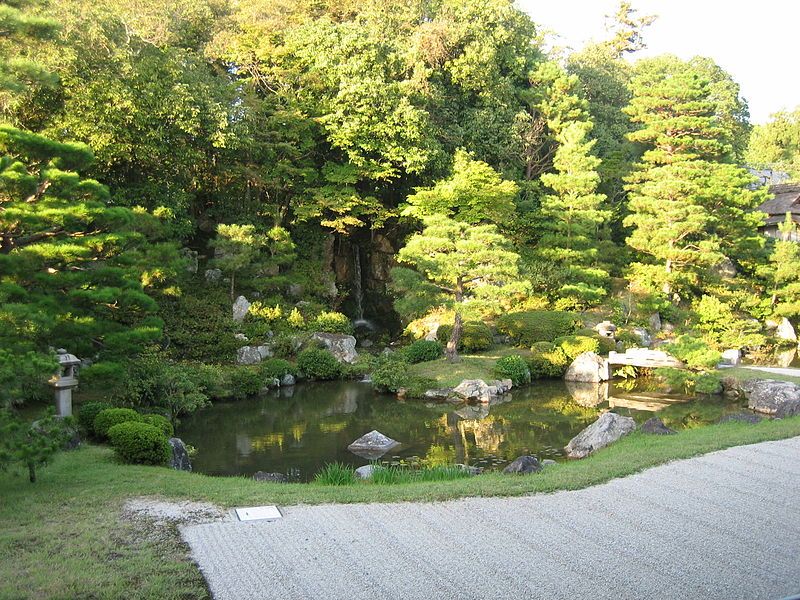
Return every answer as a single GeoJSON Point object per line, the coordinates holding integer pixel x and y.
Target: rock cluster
{"type": "Point", "coordinates": [606, 430]}
{"type": "Point", "coordinates": [478, 389]}
{"type": "Point", "coordinates": [266, 477]}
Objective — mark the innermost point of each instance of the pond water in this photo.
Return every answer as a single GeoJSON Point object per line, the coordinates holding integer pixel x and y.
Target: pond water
{"type": "Point", "coordinates": [298, 430]}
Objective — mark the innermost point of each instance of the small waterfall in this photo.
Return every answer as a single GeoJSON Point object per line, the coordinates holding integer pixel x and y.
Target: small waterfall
{"type": "Point", "coordinates": [358, 293]}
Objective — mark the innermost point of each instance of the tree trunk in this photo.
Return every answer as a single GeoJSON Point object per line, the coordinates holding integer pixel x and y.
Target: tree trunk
{"type": "Point", "coordinates": [455, 338]}
{"type": "Point", "coordinates": [233, 276]}
{"type": "Point", "coordinates": [32, 472]}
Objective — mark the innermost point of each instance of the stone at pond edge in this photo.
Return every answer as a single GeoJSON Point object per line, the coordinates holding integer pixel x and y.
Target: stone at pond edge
{"type": "Point", "coordinates": [342, 346]}
{"type": "Point", "coordinates": [588, 394]}
{"type": "Point", "coordinates": [524, 465]}
{"type": "Point", "coordinates": [372, 445]}
{"type": "Point", "coordinates": [365, 472]}
{"type": "Point", "coordinates": [606, 430]}
{"type": "Point", "coordinates": [588, 367]}
{"type": "Point", "coordinates": [741, 418]}
{"type": "Point", "coordinates": [240, 309]}
{"type": "Point", "coordinates": [440, 394]}
{"type": "Point", "coordinates": [777, 398]}
{"type": "Point", "coordinates": [287, 380]}
{"type": "Point", "coordinates": [264, 476]}
{"type": "Point", "coordinates": [655, 426]}
{"type": "Point", "coordinates": [180, 456]}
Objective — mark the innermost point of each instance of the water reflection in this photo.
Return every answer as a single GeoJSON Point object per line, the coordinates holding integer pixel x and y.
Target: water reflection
{"type": "Point", "coordinates": [299, 432]}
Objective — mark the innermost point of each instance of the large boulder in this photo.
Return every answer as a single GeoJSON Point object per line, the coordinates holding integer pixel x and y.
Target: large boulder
{"type": "Point", "coordinates": [524, 465]}
{"type": "Point", "coordinates": [588, 367]}
{"type": "Point", "coordinates": [372, 445]}
{"type": "Point", "coordinates": [731, 357]}
{"type": "Point", "coordinates": [588, 394]}
{"type": "Point", "coordinates": [240, 309]}
{"type": "Point", "coordinates": [342, 346]}
{"type": "Point", "coordinates": [655, 322]}
{"type": "Point", "coordinates": [252, 355]}
{"type": "Point", "coordinates": [655, 426]}
{"type": "Point", "coordinates": [770, 397]}
{"type": "Point", "coordinates": [785, 331]}
{"type": "Point", "coordinates": [606, 430]}
{"type": "Point", "coordinates": [478, 389]}
{"type": "Point", "coordinates": [287, 379]}
{"type": "Point", "coordinates": [645, 339]}
{"type": "Point", "coordinates": [180, 455]}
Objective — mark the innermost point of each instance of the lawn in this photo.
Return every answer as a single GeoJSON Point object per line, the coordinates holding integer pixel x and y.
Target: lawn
{"type": "Point", "coordinates": [63, 537]}
{"type": "Point", "coordinates": [743, 374]}
{"type": "Point", "coordinates": [471, 366]}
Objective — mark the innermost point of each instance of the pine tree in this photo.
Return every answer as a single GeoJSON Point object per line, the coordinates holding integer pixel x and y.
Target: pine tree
{"type": "Point", "coordinates": [785, 262]}
{"type": "Point", "coordinates": [572, 216]}
{"type": "Point", "coordinates": [457, 263]}
{"type": "Point", "coordinates": [237, 247]}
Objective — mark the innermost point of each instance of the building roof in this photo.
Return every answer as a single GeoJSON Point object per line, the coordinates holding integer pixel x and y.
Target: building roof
{"type": "Point", "coordinates": [786, 199]}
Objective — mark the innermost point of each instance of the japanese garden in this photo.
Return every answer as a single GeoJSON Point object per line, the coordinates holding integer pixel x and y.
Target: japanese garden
{"type": "Point", "coordinates": [289, 253]}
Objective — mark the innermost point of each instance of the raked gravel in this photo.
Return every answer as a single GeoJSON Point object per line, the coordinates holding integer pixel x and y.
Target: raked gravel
{"type": "Point", "coordinates": [725, 525]}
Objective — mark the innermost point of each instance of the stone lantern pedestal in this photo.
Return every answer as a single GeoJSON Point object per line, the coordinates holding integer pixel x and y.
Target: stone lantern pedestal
{"type": "Point", "coordinates": [65, 381]}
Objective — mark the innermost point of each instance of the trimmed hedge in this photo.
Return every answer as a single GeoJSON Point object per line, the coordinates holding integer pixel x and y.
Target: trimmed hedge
{"type": "Point", "coordinates": [547, 361]}
{"type": "Point", "coordinates": [575, 345]}
{"type": "Point", "coordinates": [87, 414]}
{"type": "Point", "coordinates": [423, 351]}
{"type": "Point", "coordinates": [475, 336]}
{"type": "Point", "coordinates": [106, 419]}
{"type": "Point", "coordinates": [161, 422]}
{"type": "Point", "coordinates": [317, 363]}
{"type": "Point", "coordinates": [513, 367]}
{"type": "Point", "coordinates": [140, 443]}
{"type": "Point", "coordinates": [529, 327]}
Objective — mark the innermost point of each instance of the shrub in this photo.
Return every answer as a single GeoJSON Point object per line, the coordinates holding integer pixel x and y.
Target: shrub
{"type": "Point", "coordinates": [316, 363]}
{"type": "Point", "coordinates": [364, 365]}
{"type": "Point", "coordinates": [161, 422]}
{"type": "Point", "coordinates": [514, 368]}
{"type": "Point", "coordinates": [332, 322]}
{"type": "Point", "coordinates": [605, 344]}
{"type": "Point", "coordinates": [285, 345]}
{"type": "Point", "coordinates": [475, 336]}
{"type": "Point", "coordinates": [244, 382]}
{"type": "Point", "coordinates": [336, 474]}
{"type": "Point", "coordinates": [422, 351]}
{"type": "Point", "coordinates": [109, 417]}
{"type": "Point", "coordinates": [547, 361]}
{"type": "Point", "coordinates": [533, 326]}
{"type": "Point", "coordinates": [140, 443]}
{"type": "Point", "coordinates": [391, 374]}
{"type": "Point", "coordinates": [694, 353]}
{"type": "Point", "coordinates": [88, 412]}
{"type": "Point", "coordinates": [390, 475]}
{"type": "Point", "coordinates": [275, 368]}
{"type": "Point", "coordinates": [575, 345]}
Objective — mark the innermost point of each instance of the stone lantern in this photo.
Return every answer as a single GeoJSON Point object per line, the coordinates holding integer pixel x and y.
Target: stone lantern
{"type": "Point", "coordinates": [65, 381]}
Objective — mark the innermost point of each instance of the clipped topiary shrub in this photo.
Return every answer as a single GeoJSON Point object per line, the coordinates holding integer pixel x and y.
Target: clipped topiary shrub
{"type": "Point", "coordinates": [475, 336]}
{"type": "Point", "coordinates": [391, 374]}
{"type": "Point", "coordinates": [514, 368]}
{"type": "Point", "coordinates": [332, 322]}
{"type": "Point", "coordinates": [423, 351]}
{"type": "Point", "coordinates": [161, 422]}
{"type": "Point", "coordinates": [88, 412]}
{"type": "Point", "coordinates": [244, 382]}
{"type": "Point", "coordinates": [529, 327]}
{"type": "Point", "coordinates": [316, 363]}
{"type": "Point", "coordinates": [547, 361]}
{"type": "Point", "coordinates": [109, 417]}
{"type": "Point", "coordinates": [140, 443]}
{"type": "Point", "coordinates": [575, 345]}
{"type": "Point", "coordinates": [275, 368]}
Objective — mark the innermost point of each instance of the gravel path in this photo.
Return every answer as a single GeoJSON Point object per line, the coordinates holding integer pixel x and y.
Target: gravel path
{"type": "Point", "coordinates": [724, 525]}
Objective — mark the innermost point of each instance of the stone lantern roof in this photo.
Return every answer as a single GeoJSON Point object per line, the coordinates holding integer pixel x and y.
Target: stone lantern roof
{"type": "Point", "coordinates": [65, 359]}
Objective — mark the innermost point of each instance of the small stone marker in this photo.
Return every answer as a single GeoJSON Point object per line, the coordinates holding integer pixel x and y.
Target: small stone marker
{"type": "Point", "coordinates": [258, 513]}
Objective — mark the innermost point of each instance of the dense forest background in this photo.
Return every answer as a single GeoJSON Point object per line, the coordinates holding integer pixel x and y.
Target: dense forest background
{"type": "Point", "coordinates": [393, 162]}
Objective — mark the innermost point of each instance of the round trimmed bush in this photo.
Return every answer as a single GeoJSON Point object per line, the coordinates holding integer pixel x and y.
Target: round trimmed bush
{"type": "Point", "coordinates": [275, 368]}
{"type": "Point", "coordinates": [513, 367]}
{"type": "Point", "coordinates": [575, 345]}
{"type": "Point", "coordinates": [244, 382]}
{"type": "Point", "coordinates": [390, 375]}
{"type": "Point", "coordinates": [423, 351]}
{"type": "Point", "coordinates": [475, 336]}
{"type": "Point", "coordinates": [317, 363]}
{"type": "Point", "coordinates": [106, 419]}
{"type": "Point", "coordinates": [161, 422]}
{"type": "Point", "coordinates": [88, 412]}
{"type": "Point", "coordinates": [332, 322]}
{"type": "Point", "coordinates": [547, 361]}
{"type": "Point", "coordinates": [140, 443]}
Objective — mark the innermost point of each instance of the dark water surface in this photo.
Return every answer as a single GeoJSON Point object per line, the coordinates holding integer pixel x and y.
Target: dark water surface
{"type": "Point", "coordinates": [297, 430]}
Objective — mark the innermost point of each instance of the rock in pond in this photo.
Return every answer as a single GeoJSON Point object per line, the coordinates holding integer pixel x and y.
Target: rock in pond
{"type": "Point", "coordinates": [240, 309]}
{"type": "Point", "coordinates": [180, 456]}
{"type": "Point", "coordinates": [655, 426]}
{"type": "Point", "coordinates": [524, 465]}
{"type": "Point", "coordinates": [588, 367]}
{"type": "Point", "coordinates": [266, 477]}
{"type": "Point", "coordinates": [741, 418]}
{"type": "Point", "coordinates": [606, 430]}
{"type": "Point", "coordinates": [478, 389]}
{"type": "Point", "coordinates": [588, 394]}
{"type": "Point", "coordinates": [770, 397]}
{"type": "Point", "coordinates": [439, 394]}
{"type": "Point", "coordinates": [287, 380]}
{"type": "Point", "coordinates": [342, 346]}
{"type": "Point", "coordinates": [252, 355]}
{"type": "Point", "coordinates": [372, 445]}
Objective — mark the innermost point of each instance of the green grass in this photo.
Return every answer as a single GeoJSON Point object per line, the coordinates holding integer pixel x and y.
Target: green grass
{"type": "Point", "coordinates": [472, 366]}
{"type": "Point", "coordinates": [336, 474]}
{"type": "Point", "coordinates": [393, 475]}
{"type": "Point", "coordinates": [62, 537]}
{"type": "Point", "coordinates": [744, 374]}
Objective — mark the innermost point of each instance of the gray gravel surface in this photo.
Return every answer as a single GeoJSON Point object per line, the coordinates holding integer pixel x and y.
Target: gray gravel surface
{"type": "Point", "coordinates": [724, 525]}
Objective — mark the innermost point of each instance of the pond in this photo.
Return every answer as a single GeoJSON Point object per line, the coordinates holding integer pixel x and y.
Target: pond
{"type": "Point", "coordinates": [296, 431]}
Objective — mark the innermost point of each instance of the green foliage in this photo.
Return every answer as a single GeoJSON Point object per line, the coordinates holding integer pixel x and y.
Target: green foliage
{"type": "Point", "coordinates": [244, 382]}
{"type": "Point", "coordinates": [574, 345]}
{"type": "Point", "coordinates": [527, 328]}
{"type": "Point", "coordinates": [336, 474]}
{"type": "Point", "coordinates": [332, 322]}
{"type": "Point", "coordinates": [31, 444]}
{"type": "Point", "coordinates": [784, 272]}
{"type": "Point", "coordinates": [109, 417]}
{"type": "Point", "coordinates": [690, 381]}
{"type": "Point", "coordinates": [317, 363]}
{"type": "Point", "coordinates": [776, 144]}
{"type": "Point", "coordinates": [422, 351]}
{"type": "Point", "coordinates": [140, 443]}
{"type": "Point", "coordinates": [724, 329]}
{"type": "Point", "coordinates": [513, 367]}
{"type": "Point", "coordinates": [199, 326]}
{"type": "Point", "coordinates": [87, 414]}
{"type": "Point", "coordinates": [391, 374]}
{"type": "Point", "coordinates": [694, 352]}
{"type": "Point", "coordinates": [393, 475]}
{"type": "Point", "coordinates": [159, 421]}
{"type": "Point", "coordinates": [237, 247]}
{"type": "Point", "coordinates": [275, 368]}
{"type": "Point", "coordinates": [547, 361]}
{"type": "Point", "coordinates": [476, 336]}
{"type": "Point", "coordinates": [24, 376]}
